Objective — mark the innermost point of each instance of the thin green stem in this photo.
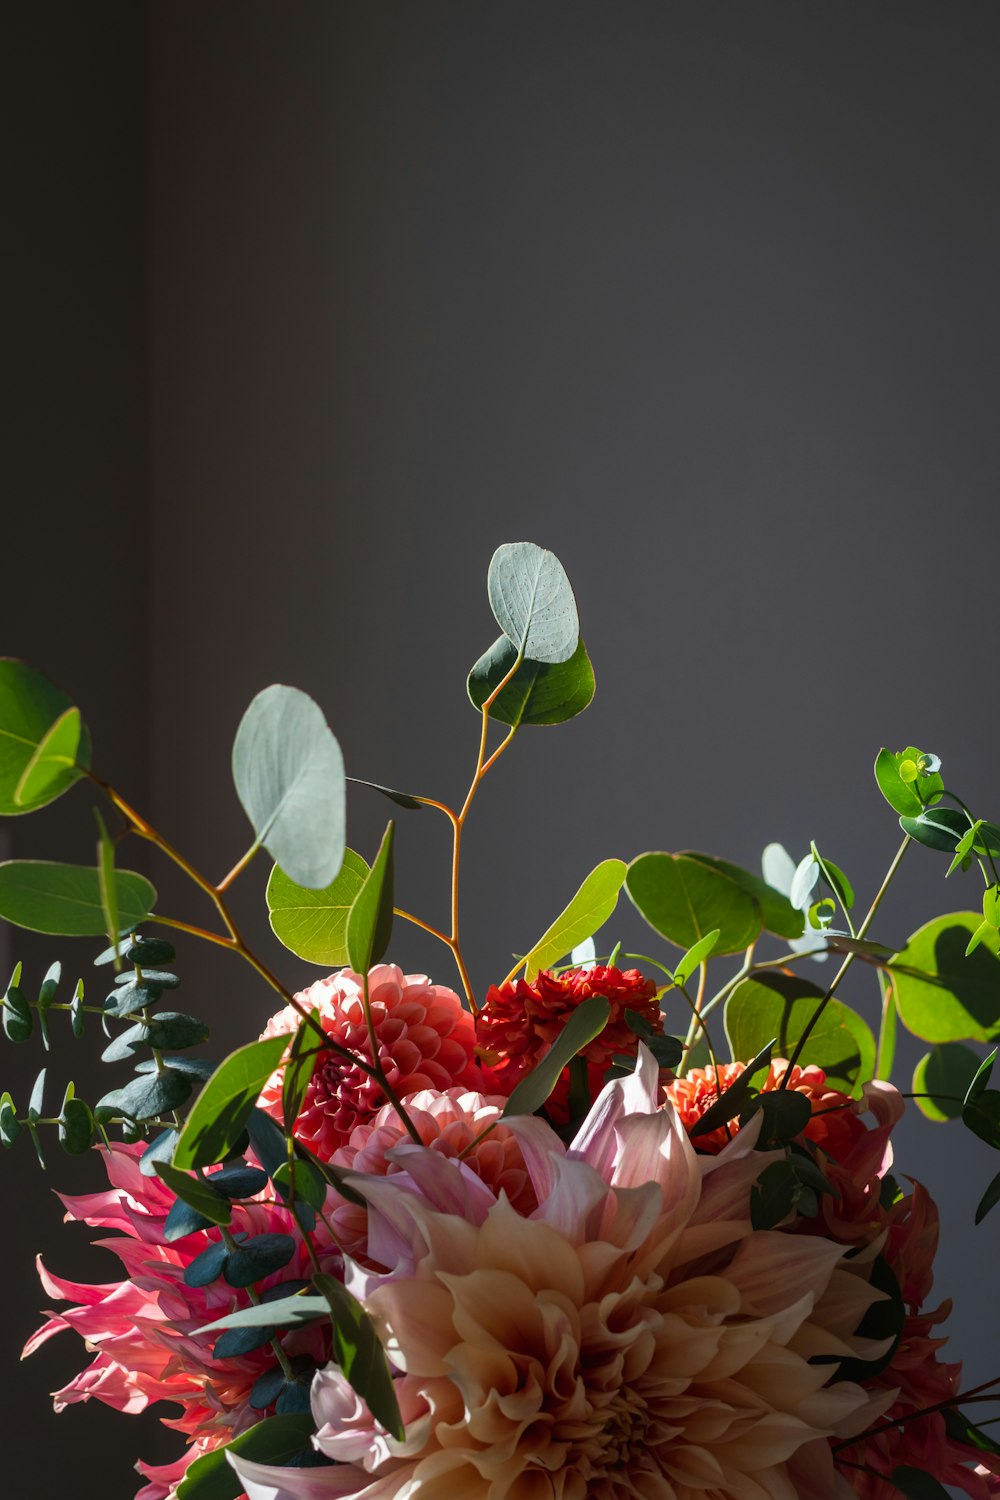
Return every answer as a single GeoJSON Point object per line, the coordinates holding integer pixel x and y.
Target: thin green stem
{"type": "Point", "coordinates": [845, 966]}
{"type": "Point", "coordinates": [238, 868]}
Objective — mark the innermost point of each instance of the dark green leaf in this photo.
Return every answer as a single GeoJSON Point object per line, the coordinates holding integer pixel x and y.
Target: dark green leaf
{"type": "Point", "coordinates": [223, 1107]}
{"type": "Point", "coordinates": [944, 1074]}
{"type": "Point", "coordinates": [313, 924]}
{"type": "Point", "coordinates": [786, 1114]}
{"type": "Point", "coordinates": [273, 1441]}
{"type": "Point", "coordinates": [9, 1128]}
{"type": "Point", "coordinates": [289, 775]}
{"type": "Point", "coordinates": [539, 693]}
{"type": "Point", "coordinates": [309, 1184]}
{"type": "Point", "coordinates": [587, 1022]}
{"type": "Point", "coordinates": [918, 1484]}
{"type": "Point", "coordinates": [883, 1320]}
{"type": "Point", "coordinates": [65, 900]}
{"type": "Point", "coordinates": [196, 1192]}
{"type": "Point", "coordinates": [163, 979]}
{"type": "Point", "coordinates": [401, 799]}
{"type": "Point", "coordinates": [302, 1058]}
{"type": "Point", "coordinates": [241, 1341]}
{"type": "Point", "coordinates": [941, 995]}
{"type": "Point", "coordinates": [589, 909]}
{"type": "Point", "coordinates": [168, 1029]}
{"type": "Point", "coordinates": [781, 1006]}
{"type": "Point", "coordinates": [533, 602]}
{"type": "Point", "coordinates": [773, 1195]}
{"type": "Point", "coordinates": [358, 1352]}
{"type": "Point", "coordinates": [18, 1019]}
{"type": "Point", "coordinates": [982, 1116]}
{"type": "Point", "coordinates": [989, 1200]}
{"type": "Point", "coordinates": [239, 1180]}
{"type": "Point", "coordinates": [197, 1068]}
{"type": "Point", "coordinates": [961, 1429]}
{"type": "Point", "coordinates": [149, 1096]}
{"type": "Point", "coordinates": [37, 729]}
{"type": "Point", "coordinates": [267, 1389]}
{"type": "Point", "coordinates": [131, 999]}
{"type": "Point", "coordinates": [257, 1258]}
{"type": "Point", "coordinates": [107, 883]}
{"type": "Point", "coordinates": [733, 1100]}
{"type": "Point", "coordinates": [981, 1078]}
{"type": "Point", "coordinates": [369, 921]}
{"type": "Point", "coordinates": [940, 828]}
{"type": "Point", "coordinates": [207, 1267]}
{"type": "Point", "coordinates": [76, 1126]}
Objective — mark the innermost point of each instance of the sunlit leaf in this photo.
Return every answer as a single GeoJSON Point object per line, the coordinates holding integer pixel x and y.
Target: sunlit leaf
{"type": "Point", "coordinates": [369, 921]}
{"type": "Point", "coordinates": [587, 1021]}
{"type": "Point", "coordinates": [223, 1107]}
{"type": "Point", "coordinates": [359, 1353]}
{"type": "Point", "coordinates": [533, 602]}
{"type": "Point", "coordinates": [313, 924]}
{"type": "Point", "coordinates": [65, 900]}
{"type": "Point", "coordinates": [289, 774]}
{"type": "Point", "coordinates": [781, 1006]}
{"type": "Point", "coordinates": [944, 1074]}
{"type": "Point", "coordinates": [684, 899]}
{"type": "Point", "coordinates": [942, 995]}
{"type": "Point", "coordinates": [539, 693]}
{"type": "Point", "coordinates": [30, 711]}
{"type": "Point", "coordinates": [589, 909]}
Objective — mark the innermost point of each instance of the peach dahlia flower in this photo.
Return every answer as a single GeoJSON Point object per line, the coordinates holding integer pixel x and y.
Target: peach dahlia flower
{"type": "Point", "coordinates": [426, 1040]}
{"type": "Point", "coordinates": [630, 1339]}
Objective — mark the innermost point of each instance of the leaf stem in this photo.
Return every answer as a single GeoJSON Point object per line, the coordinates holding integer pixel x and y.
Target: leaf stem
{"type": "Point", "coordinates": [238, 868]}
{"type": "Point", "coordinates": [848, 960]}
{"type": "Point", "coordinates": [963, 1398]}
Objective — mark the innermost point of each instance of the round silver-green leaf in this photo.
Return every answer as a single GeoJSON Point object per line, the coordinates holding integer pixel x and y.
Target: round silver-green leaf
{"type": "Point", "coordinates": [533, 602]}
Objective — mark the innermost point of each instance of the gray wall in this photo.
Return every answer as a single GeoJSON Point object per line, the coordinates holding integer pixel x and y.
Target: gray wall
{"type": "Point", "coordinates": [699, 295]}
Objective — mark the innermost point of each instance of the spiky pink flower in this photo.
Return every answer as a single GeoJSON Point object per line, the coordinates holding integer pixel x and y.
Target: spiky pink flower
{"type": "Point", "coordinates": [426, 1040]}
{"type": "Point", "coordinates": [631, 1339]}
{"type": "Point", "coordinates": [143, 1330]}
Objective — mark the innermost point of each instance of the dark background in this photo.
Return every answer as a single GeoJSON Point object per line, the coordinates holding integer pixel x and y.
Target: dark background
{"type": "Point", "coordinates": [308, 306]}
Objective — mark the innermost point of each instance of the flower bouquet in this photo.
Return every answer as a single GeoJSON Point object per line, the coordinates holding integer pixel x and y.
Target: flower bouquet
{"type": "Point", "coordinates": [614, 1227]}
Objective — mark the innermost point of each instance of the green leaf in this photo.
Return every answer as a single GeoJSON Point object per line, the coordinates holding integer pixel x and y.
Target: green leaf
{"type": "Point", "coordinates": [170, 1029]}
{"type": "Point", "coordinates": [196, 1192]}
{"type": "Point", "coordinates": [900, 795]}
{"type": "Point", "coordinates": [781, 1006]}
{"type": "Point", "coordinates": [30, 711]}
{"type": "Point", "coordinates": [941, 995]}
{"type": "Point", "coordinates": [302, 1058]}
{"type": "Point", "coordinates": [918, 1484]}
{"type": "Point", "coordinates": [313, 924]}
{"type": "Point", "coordinates": [276, 1440]}
{"type": "Point", "coordinates": [982, 1117]}
{"type": "Point", "coordinates": [53, 765]}
{"type": "Point", "coordinates": [539, 692]}
{"type": "Point", "coordinates": [587, 1022]}
{"type": "Point", "coordinates": [287, 1312]}
{"type": "Point", "coordinates": [359, 1353]}
{"type": "Point", "coordinates": [699, 954]}
{"type": "Point", "coordinates": [149, 1096]}
{"type": "Point", "coordinates": [683, 899]}
{"type": "Point", "coordinates": [18, 1018]}
{"type": "Point", "coordinates": [9, 1127]}
{"type": "Point", "coordinates": [65, 900]}
{"type": "Point", "coordinates": [533, 602]}
{"type": "Point", "coordinates": [883, 1320]}
{"type": "Point", "coordinates": [589, 909]}
{"type": "Point", "coordinates": [289, 775]}
{"type": "Point", "coordinates": [401, 799]}
{"type": "Point", "coordinates": [981, 1079]}
{"type": "Point", "coordinates": [835, 879]}
{"type": "Point", "coordinates": [732, 1101]}
{"type": "Point", "coordinates": [941, 828]}
{"type": "Point", "coordinates": [944, 1073]}
{"type": "Point", "coordinates": [76, 1125]}
{"type": "Point", "coordinates": [107, 883]}
{"type": "Point", "coordinates": [369, 921]}
{"type": "Point", "coordinates": [786, 1114]}
{"type": "Point", "coordinates": [299, 1180]}
{"type": "Point", "coordinates": [223, 1107]}
{"type": "Point", "coordinates": [773, 1195]}
{"type": "Point", "coordinates": [258, 1257]}
{"type": "Point", "coordinates": [959, 1427]}
{"type": "Point", "coordinates": [779, 915]}
{"type": "Point", "coordinates": [989, 1200]}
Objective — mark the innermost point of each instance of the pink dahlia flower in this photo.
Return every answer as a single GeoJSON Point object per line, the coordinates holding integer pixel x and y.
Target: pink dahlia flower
{"type": "Point", "coordinates": [856, 1158]}
{"type": "Point", "coordinates": [426, 1040]}
{"type": "Point", "coordinates": [519, 1022]}
{"type": "Point", "coordinates": [451, 1124]}
{"type": "Point", "coordinates": [631, 1339]}
{"type": "Point", "coordinates": [143, 1330]}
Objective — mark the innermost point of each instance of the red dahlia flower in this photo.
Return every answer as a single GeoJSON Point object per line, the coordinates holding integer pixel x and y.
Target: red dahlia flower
{"type": "Point", "coordinates": [520, 1021]}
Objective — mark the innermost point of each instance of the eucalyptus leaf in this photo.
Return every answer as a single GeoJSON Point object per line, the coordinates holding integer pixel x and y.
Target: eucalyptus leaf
{"type": "Point", "coordinates": [733, 1100]}
{"type": "Point", "coordinates": [942, 995]}
{"type": "Point", "coordinates": [289, 775]}
{"type": "Point", "coordinates": [781, 1006]}
{"type": "Point", "coordinates": [989, 1200]}
{"type": "Point", "coordinates": [196, 1192]}
{"type": "Point", "coordinates": [65, 900]}
{"type": "Point", "coordinates": [683, 899]}
{"type": "Point", "coordinates": [150, 1095]}
{"type": "Point", "coordinates": [401, 799]}
{"type": "Point", "coordinates": [313, 923]}
{"type": "Point", "coordinates": [258, 1257]}
{"type": "Point", "coordinates": [699, 954]}
{"type": "Point", "coordinates": [918, 1484]}
{"type": "Point", "coordinates": [31, 710]}
{"type": "Point", "coordinates": [224, 1105]}
{"type": "Point", "coordinates": [533, 602]}
{"type": "Point", "coordinates": [286, 1312]}
{"type": "Point", "coordinates": [539, 693]}
{"type": "Point", "coordinates": [369, 921]}
{"type": "Point", "coordinates": [589, 909]}
{"type": "Point", "coordinates": [107, 881]}
{"type": "Point", "coordinates": [900, 795]}
{"type": "Point", "coordinates": [587, 1021]}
